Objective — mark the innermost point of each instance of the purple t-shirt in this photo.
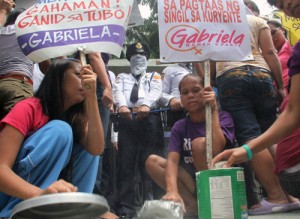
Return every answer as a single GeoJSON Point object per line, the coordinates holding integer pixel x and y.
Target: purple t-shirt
{"type": "Point", "coordinates": [185, 131]}
{"type": "Point", "coordinates": [294, 61]}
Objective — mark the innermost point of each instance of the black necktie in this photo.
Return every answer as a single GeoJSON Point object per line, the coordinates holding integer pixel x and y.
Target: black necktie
{"type": "Point", "coordinates": [134, 96]}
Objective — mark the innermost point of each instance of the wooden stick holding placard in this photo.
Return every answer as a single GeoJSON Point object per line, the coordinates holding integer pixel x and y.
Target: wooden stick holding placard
{"type": "Point", "coordinates": [83, 62]}
{"type": "Point", "coordinates": [208, 117]}
{"type": "Point", "coordinates": [82, 55]}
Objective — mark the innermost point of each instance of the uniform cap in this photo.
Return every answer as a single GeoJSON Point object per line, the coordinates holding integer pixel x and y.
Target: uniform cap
{"type": "Point", "coordinates": [137, 48]}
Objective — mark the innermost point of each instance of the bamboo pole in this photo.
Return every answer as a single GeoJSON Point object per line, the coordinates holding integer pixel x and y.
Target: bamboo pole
{"type": "Point", "coordinates": [208, 117]}
{"type": "Point", "coordinates": [82, 55]}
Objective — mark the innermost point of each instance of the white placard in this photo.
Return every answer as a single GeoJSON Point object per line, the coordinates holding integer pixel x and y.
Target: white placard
{"type": "Point", "coordinates": [52, 28]}
{"type": "Point", "coordinates": [198, 30]}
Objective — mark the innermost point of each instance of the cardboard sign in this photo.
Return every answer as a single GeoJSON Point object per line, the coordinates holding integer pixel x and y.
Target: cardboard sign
{"type": "Point", "coordinates": [134, 20]}
{"type": "Point", "coordinates": [193, 30]}
{"type": "Point", "coordinates": [52, 28]}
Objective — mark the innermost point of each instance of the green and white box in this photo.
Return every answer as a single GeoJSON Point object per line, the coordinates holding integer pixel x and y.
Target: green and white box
{"type": "Point", "coordinates": [221, 194]}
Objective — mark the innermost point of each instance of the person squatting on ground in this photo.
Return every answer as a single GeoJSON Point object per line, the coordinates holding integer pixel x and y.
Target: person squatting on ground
{"type": "Point", "coordinates": [187, 146]}
{"type": "Point", "coordinates": [140, 130]}
{"type": "Point", "coordinates": [50, 143]}
{"type": "Point", "coordinates": [98, 62]}
{"type": "Point", "coordinates": [287, 122]}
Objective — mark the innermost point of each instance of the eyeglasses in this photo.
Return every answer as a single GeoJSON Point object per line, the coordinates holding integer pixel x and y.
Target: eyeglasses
{"type": "Point", "coordinates": [273, 31]}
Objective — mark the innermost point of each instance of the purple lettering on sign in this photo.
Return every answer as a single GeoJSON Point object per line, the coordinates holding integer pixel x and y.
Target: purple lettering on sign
{"type": "Point", "coordinates": [32, 42]}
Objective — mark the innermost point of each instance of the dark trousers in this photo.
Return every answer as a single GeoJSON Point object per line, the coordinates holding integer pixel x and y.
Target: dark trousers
{"type": "Point", "coordinates": [109, 172]}
{"type": "Point", "coordinates": [138, 138]}
{"type": "Point", "coordinates": [248, 94]}
{"type": "Point", "coordinates": [104, 113]}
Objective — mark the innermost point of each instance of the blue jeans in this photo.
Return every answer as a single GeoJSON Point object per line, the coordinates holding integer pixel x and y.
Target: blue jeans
{"type": "Point", "coordinates": [43, 156]}
{"type": "Point", "coordinates": [248, 94]}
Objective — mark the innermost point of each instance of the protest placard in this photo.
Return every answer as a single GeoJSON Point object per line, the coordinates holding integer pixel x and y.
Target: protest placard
{"type": "Point", "coordinates": [135, 18]}
{"type": "Point", "coordinates": [52, 28]}
{"type": "Point", "coordinates": [198, 30]}
{"type": "Point", "coordinates": [291, 24]}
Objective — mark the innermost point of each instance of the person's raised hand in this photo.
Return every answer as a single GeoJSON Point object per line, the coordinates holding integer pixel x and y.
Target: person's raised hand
{"type": "Point", "coordinates": [88, 80]}
{"type": "Point", "coordinates": [210, 97]}
{"type": "Point", "coordinates": [6, 5]}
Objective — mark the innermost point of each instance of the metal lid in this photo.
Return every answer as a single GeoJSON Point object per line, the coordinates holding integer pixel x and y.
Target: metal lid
{"type": "Point", "coordinates": [61, 206]}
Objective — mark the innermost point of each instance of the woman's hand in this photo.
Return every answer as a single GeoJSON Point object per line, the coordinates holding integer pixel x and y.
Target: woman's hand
{"type": "Point", "coordinates": [88, 80]}
{"type": "Point", "coordinates": [210, 97]}
{"type": "Point", "coordinates": [6, 5]}
{"type": "Point", "coordinates": [233, 156]}
{"type": "Point", "coordinates": [59, 186]}
{"type": "Point", "coordinates": [174, 196]}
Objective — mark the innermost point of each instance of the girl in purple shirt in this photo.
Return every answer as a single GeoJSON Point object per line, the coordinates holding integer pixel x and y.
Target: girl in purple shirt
{"type": "Point", "coordinates": [187, 147]}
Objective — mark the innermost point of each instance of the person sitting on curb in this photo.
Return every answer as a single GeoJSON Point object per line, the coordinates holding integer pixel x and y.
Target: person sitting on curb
{"type": "Point", "coordinates": [187, 147]}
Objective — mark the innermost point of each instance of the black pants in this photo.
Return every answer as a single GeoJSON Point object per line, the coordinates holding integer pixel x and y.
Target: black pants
{"type": "Point", "coordinates": [173, 117]}
{"type": "Point", "coordinates": [138, 138]}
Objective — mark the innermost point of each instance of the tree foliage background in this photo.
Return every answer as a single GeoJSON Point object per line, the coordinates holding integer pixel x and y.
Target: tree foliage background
{"type": "Point", "coordinates": [148, 33]}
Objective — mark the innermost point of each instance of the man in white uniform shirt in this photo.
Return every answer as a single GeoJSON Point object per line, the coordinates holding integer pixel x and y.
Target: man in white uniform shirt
{"type": "Point", "coordinates": [140, 131]}
{"type": "Point", "coordinates": [170, 94]}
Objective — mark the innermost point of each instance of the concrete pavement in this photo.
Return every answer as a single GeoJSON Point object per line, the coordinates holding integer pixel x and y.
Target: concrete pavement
{"type": "Point", "coordinates": [294, 214]}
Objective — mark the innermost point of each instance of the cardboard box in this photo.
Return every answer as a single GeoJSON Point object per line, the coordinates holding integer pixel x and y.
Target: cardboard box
{"type": "Point", "coordinates": [221, 194]}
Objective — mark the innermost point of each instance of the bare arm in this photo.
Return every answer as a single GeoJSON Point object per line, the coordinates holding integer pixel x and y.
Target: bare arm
{"type": "Point", "coordinates": [98, 67]}
{"type": "Point", "coordinates": [94, 141]}
{"type": "Point", "coordinates": [270, 55]}
{"type": "Point", "coordinates": [286, 123]}
{"type": "Point", "coordinates": [218, 138]}
{"type": "Point", "coordinates": [172, 172]}
{"type": "Point", "coordinates": [198, 69]}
